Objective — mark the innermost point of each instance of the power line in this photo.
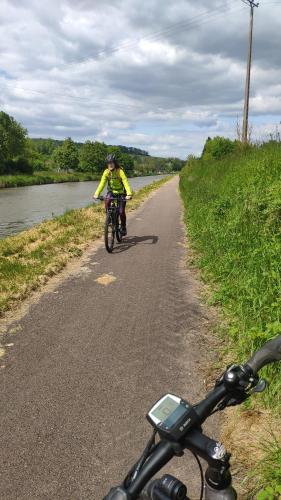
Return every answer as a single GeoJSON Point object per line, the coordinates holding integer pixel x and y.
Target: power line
{"type": "Point", "coordinates": [196, 20]}
{"type": "Point", "coordinates": [71, 96]}
{"type": "Point", "coordinates": [199, 20]}
{"type": "Point", "coordinates": [154, 36]}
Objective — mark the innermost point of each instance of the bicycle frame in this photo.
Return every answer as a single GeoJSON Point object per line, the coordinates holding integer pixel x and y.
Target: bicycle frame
{"type": "Point", "coordinates": [114, 212]}
{"type": "Point", "coordinates": [113, 208]}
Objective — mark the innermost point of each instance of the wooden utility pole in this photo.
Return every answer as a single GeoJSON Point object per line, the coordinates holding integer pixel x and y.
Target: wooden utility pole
{"type": "Point", "coordinates": [252, 5]}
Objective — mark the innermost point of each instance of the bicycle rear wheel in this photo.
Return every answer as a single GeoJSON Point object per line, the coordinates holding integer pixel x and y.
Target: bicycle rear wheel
{"type": "Point", "coordinates": [109, 234]}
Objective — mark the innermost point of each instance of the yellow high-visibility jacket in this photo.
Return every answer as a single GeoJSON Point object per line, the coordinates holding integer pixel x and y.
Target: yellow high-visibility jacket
{"type": "Point", "coordinates": [116, 181]}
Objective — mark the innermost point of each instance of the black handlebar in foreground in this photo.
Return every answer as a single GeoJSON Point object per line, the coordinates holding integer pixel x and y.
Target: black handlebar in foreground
{"type": "Point", "coordinates": [232, 388]}
{"type": "Point", "coordinates": [164, 452]}
{"type": "Point", "coordinates": [270, 352]}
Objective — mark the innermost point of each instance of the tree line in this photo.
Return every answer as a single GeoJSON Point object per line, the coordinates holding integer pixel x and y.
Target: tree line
{"type": "Point", "coordinates": [21, 154]}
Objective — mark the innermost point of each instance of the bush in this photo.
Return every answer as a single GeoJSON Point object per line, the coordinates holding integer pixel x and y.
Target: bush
{"type": "Point", "coordinates": [218, 148]}
{"type": "Point", "coordinates": [18, 166]}
{"type": "Point", "coordinates": [23, 166]}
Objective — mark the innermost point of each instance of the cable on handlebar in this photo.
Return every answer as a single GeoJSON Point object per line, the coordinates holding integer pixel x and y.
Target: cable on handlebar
{"type": "Point", "coordinates": [201, 474]}
{"type": "Point", "coordinates": [162, 454]}
{"type": "Point", "coordinates": [133, 473]}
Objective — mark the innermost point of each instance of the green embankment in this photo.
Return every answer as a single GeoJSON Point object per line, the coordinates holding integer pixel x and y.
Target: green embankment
{"type": "Point", "coordinates": [28, 259]}
{"type": "Point", "coordinates": [7, 181]}
{"type": "Point", "coordinates": [233, 217]}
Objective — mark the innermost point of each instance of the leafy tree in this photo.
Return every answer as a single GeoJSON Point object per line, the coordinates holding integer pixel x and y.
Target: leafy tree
{"type": "Point", "coordinates": [18, 153]}
{"type": "Point", "coordinates": [12, 137]}
{"type": "Point", "coordinates": [191, 157]}
{"type": "Point", "coordinates": [149, 165]}
{"type": "Point", "coordinates": [100, 155]}
{"type": "Point", "coordinates": [173, 165]}
{"type": "Point", "coordinates": [87, 157]}
{"type": "Point", "coordinates": [205, 146]}
{"type": "Point", "coordinates": [13, 143]}
{"type": "Point", "coordinates": [46, 146]}
{"type": "Point", "coordinates": [66, 157]}
{"type": "Point", "coordinates": [127, 162]}
{"type": "Point", "coordinates": [42, 151]}
{"type": "Point", "coordinates": [218, 147]}
{"type": "Point", "coordinates": [133, 151]}
{"type": "Point", "coordinates": [92, 156]}
{"type": "Point", "coordinates": [37, 159]}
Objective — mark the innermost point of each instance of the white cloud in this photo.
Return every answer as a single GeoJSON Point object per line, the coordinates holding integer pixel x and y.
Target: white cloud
{"type": "Point", "coordinates": [151, 74]}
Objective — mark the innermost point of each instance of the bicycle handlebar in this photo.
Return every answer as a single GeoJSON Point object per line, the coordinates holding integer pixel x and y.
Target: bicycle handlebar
{"type": "Point", "coordinates": [119, 197]}
{"type": "Point", "coordinates": [160, 457]}
{"type": "Point", "coordinates": [231, 381]}
{"type": "Point", "coordinates": [206, 406]}
{"type": "Point", "coordinates": [270, 352]}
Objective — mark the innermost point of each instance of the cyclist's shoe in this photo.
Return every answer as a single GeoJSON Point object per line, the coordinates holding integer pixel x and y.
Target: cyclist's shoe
{"type": "Point", "coordinates": [123, 231]}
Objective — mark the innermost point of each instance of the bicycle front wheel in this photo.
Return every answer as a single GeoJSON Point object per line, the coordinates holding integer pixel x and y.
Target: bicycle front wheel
{"type": "Point", "coordinates": [109, 234]}
{"type": "Point", "coordinates": [118, 232]}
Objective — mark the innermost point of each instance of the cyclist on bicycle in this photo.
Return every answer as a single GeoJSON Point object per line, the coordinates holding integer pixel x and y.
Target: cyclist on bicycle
{"type": "Point", "coordinates": [117, 184]}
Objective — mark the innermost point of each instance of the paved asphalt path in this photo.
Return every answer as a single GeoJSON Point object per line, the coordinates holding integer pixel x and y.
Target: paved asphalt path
{"type": "Point", "coordinates": [91, 358]}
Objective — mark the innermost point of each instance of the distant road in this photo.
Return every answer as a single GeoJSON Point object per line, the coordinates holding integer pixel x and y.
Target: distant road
{"type": "Point", "coordinates": [91, 357]}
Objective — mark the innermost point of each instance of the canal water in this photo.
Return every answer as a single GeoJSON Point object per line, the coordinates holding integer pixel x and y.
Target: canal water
{"type": "Point", "coordinates": [22, 207]}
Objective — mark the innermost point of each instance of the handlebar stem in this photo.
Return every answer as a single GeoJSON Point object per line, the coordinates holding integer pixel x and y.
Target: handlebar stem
{"type": "Point", "coordinates": [213, 452]}
{"type": "Point", "coordinates": [218, 476]}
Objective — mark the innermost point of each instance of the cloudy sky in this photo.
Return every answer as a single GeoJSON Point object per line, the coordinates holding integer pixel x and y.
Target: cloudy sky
{"type": "Point", "coordinates": [156, 74]}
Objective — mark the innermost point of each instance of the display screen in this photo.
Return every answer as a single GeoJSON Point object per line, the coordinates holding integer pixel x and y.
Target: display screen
{"type": "Point", "coordinates": [165, 409]}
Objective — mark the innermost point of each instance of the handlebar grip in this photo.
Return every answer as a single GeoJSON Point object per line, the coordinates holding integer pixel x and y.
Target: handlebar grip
{"type": "Point", "coordinates": [270, 352]}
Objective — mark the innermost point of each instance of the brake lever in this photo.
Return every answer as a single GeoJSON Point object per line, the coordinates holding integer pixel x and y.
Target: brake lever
{"type": "Point", "coordinates": [261, 386]}
{"type": "Point", "coordinates": [241, 396]}
{"type": "Point", "coordinates": [232, 401]}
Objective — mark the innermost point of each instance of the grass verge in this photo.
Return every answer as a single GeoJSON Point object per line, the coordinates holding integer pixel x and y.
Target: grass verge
{"type": "Point", "coordinates": [233, 216]}
{"type": "Point", "coordinates": [8, 181]}
{"type": "Point", "coordinates": [30, 258]}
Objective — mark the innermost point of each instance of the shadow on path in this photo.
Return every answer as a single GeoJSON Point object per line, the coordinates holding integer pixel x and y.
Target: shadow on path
{"type": "Point", "coordinates": [132, 241]}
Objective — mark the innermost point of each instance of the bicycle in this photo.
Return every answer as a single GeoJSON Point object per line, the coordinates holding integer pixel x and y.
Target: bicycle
{"type": "Point", "coordinates": [112, 225]}
{"type": "Point", "coordinates": [178, 425]}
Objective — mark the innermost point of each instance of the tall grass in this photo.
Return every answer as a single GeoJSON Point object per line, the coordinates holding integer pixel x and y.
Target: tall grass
{"type": "Point", "coordinates": [269, 469]}
{"type": "Point", "coordinates": [233, 216]}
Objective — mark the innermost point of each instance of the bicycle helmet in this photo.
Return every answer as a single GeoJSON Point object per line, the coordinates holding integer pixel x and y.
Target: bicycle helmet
{"type": "Point", "coordinates": [111, 158]}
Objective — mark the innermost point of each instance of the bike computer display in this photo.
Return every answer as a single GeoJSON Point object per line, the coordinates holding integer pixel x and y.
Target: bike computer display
{"type": "Point", "coordinates": [171, 416]}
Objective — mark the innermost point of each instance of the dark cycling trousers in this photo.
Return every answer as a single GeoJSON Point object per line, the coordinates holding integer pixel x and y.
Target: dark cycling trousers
{"type": "Point", "coordinates": [122, 208]}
